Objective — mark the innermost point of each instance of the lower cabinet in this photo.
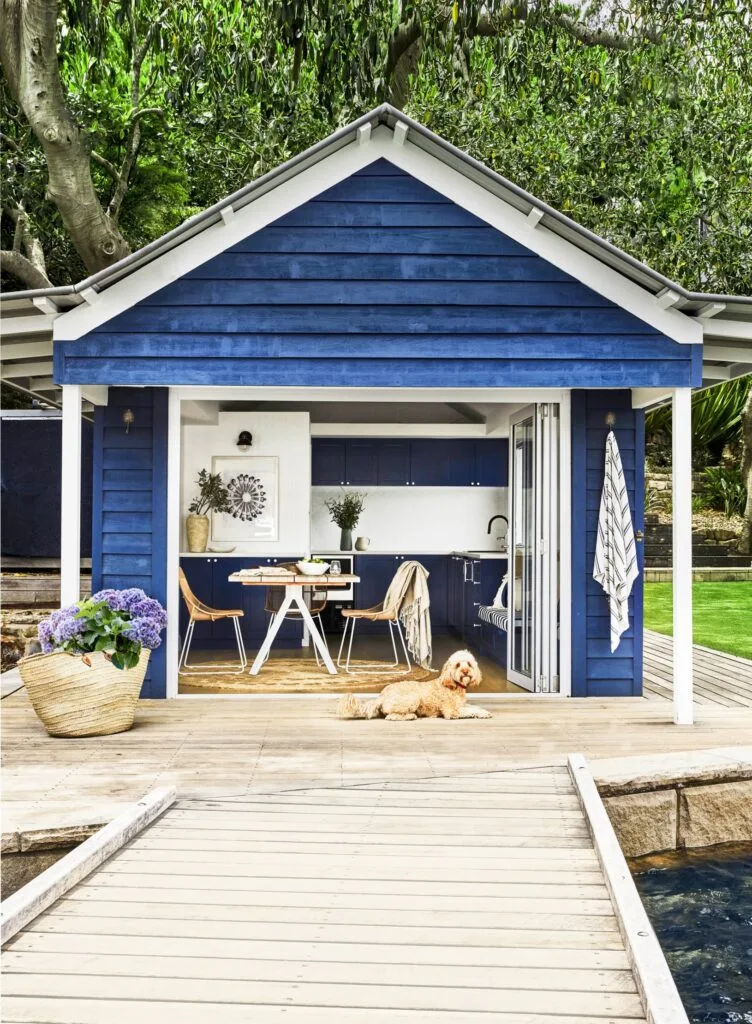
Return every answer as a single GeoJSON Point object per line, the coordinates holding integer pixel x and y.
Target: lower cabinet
{"type": "Point", "coordinates": [377, 572]}
{"type": "Point", "coordinates": [208, 579]}
{"type": "Point", "coordinates": [473, 582]}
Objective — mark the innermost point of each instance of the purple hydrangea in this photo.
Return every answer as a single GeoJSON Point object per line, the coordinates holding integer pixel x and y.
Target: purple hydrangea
{"type": "Point", "coordinates": [145, 632]}
{"type": "Point", "coordinates": [149, 608]}
{"type": "Point", "coordinates": [44, 632]}
{"type": "Point", "coordinates": [141, 620]}
{"type": "Point", "coordinates": [128, 598]}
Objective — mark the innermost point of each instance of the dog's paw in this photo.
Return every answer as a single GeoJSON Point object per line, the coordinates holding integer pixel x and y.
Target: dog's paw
{"type": "Point", "coordinates": [482, 713]}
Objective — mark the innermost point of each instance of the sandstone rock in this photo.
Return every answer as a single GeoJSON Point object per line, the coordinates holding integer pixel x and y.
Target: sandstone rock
{"type": "Point", "coordinates": [644, 822]}
{"type": "Point", "coordinates": [721, 813]}
{"type": "Point", "coordinates": [64, 837]}
{"type": "Point", "coordinates": [21, 868]}
{"type": "Point", "coordinates": [11, 650]}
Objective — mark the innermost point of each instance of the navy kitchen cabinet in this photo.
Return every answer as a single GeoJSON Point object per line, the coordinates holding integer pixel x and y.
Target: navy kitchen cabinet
{"type": "Point", "coordinates": [401, 462]}
{"type": "Point", "coordinates": [361, 462]}
{"type": "Point", "coordinates": [394, 463]}
{"type": "Point", "coordinates": [208, 579]}
{"type": "Point", "coordinates": [328, 461]}
{"type": "Point", "coordinates": [492, 463]}
{"type": "Point", "coordinates": [376, 573]}
{"type": "Point", "coordinates": [199, 573]}
{"type": "Point", "coordinates": [437, 462]}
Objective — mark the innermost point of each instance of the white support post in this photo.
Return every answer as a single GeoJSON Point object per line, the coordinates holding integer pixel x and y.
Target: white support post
{"type": "Point", "coordinates": [681, 461]}
{"type": "Point", "coordinates": [70, 497]}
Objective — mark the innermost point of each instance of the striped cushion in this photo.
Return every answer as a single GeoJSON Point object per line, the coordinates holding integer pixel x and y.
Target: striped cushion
{"type": "Point", "coordinates": [498, 617]}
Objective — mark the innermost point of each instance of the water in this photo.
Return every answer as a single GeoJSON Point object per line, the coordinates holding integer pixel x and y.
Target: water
{"type": "Point", "coordinates": [700, 904]}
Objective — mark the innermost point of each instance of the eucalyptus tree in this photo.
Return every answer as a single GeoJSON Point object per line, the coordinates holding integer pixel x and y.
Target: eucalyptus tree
{"type": "Point", "coordinates": [122, 117]}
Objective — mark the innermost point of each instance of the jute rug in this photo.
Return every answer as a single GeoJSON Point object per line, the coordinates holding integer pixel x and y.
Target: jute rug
{"type": "Point", "coordinates": [296, 675]}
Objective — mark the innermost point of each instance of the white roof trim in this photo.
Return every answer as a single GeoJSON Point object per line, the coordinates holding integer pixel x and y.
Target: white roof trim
{"type": "Point", "coordinates": [336, 167]}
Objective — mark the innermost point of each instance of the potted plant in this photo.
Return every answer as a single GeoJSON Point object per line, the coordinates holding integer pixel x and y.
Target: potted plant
{"type": "Point", "coordinates": [87, 680]}
{"type": "Point", "coordinates": [212, 496]}
{"type": "Point", "coordinates": [345, 512]}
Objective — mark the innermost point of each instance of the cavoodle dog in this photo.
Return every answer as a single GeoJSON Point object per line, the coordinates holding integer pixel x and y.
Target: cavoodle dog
{"type": "Point", "coordinates": [443, 697]}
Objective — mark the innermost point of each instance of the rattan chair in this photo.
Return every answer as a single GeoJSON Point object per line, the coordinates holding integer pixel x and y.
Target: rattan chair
{"type": "Point", "coordinates": [376, 614]}
{"type": "Point", "coordinates": [200, 612]}
{"type": "Point", "coordinates": [314, 599]}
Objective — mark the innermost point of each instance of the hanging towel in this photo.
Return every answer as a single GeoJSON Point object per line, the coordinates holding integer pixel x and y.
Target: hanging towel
{"type": "Point", "coordinates": [615, 565]}
{"type": "Point", "coordinates": [408, 595]}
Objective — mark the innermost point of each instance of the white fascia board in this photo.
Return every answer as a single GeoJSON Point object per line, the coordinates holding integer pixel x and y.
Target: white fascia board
{"type": "Point", "coordinates": [521, 396]}
{"type": "Point", "coordinates": [215, 239]}
{"type": "Point", "coordinates": [95, 393]}
{"type": "Point", "coordinates": [332, 169]}
{"type": "Point", "coordinates": [25, 349]}
{"type": "Point", "coordinates": [726, 353]}
{"type": "Point", "coordinates": [738, 330]}
{"type": "Point", "coordinates": [11, 370]}
{"type": "Point", "coordinates": [643, 398]}
{"type": "Point", "coordinates": [14, 326]}
{"type": "Point", "coordinates": [546, 244]}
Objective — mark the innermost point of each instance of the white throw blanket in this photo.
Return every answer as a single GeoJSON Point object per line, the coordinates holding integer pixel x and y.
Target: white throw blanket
{"type": "Point", "coordinates": [408, 593]}
{"type": "Point", "coordinates": [615, 565]}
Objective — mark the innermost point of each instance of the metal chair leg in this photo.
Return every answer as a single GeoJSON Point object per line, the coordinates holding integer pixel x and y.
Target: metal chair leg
{"type": "Point", "coordinates": [342, 642]}
{"type": "Point", "coordinates": [323, 637]}
{"type": "Point", "coordinates": [404, 645]}
{"type": "Point", "coordinates": [184, 668]}
{"type": "Point", "coordinates": [395, 663]}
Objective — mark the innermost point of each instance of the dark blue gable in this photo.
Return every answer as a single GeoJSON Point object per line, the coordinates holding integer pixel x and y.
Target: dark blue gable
{"type": "Point", "coordinates": [379, 281]}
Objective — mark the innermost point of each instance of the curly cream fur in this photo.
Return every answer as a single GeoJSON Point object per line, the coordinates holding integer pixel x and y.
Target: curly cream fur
{"type": "Point", "coordinates": [443, 697]}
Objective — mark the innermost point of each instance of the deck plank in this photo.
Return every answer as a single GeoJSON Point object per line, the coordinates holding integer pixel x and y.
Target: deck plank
{"type": "Point", "coordinates": [720, 679]}
{"type": "Point", "coordinates": [364, 902]}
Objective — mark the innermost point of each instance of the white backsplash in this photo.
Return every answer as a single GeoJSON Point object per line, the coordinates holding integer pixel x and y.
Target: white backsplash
{"type": "Point", "coordinates": [416, 520]}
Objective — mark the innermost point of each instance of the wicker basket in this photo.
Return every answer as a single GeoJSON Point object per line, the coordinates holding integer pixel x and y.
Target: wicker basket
{"type": "Point", "coordinates": [76, 699]}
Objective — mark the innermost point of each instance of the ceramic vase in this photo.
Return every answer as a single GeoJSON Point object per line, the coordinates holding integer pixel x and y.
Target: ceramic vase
{"type": "Point", "coordinates": [197, 532]}
{"type": "Point", "coordinates": [345, 540]}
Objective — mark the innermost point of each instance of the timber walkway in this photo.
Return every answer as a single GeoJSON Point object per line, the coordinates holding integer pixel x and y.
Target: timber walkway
{"type": "Point", "coordinates": [461, 899]}
{"type": "Point", "coordinates": [720, 679]}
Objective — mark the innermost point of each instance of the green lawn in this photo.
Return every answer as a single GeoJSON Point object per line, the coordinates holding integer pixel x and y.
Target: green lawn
{"type": "Point", "coordinates": [722, 614]}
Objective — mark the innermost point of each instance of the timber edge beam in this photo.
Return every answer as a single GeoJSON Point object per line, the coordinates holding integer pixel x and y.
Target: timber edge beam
{"type": "Point", "coordinates": [31, 900]}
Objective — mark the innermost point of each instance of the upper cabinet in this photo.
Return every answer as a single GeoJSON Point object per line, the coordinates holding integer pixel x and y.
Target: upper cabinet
{"type": "Point", "coordinates": [405, 462]}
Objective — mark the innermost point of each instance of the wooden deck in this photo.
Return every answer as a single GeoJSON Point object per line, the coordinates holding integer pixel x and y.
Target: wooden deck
{"type": "Point", "coordinates": [461, 899]}
{"type": "Point", "coordinates": [720, 680]}
{"type": "Point", "coordinates": [222, 747]}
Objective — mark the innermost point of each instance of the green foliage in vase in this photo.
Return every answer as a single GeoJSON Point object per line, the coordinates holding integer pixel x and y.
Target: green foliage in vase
{"type": "Point", "coordinates": [345, 512]}
{"type": "Point", "coordinates": [212, 495]}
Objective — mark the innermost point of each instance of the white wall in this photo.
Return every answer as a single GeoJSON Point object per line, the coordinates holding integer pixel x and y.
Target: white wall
{"type": "Point", "coordinates": [284, 434]}
{"type": "Point", "coordinates": [416, 520]}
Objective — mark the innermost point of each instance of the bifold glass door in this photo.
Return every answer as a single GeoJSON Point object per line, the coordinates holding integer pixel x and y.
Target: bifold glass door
{"type": "Point", "coordinates": [533, 659]}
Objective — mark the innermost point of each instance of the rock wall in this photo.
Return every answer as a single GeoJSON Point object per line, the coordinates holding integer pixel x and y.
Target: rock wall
{"type": "Point", "coordinates": [685, 802]}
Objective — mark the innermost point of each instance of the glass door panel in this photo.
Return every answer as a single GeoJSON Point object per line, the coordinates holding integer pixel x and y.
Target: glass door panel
{"type": "Point", "coordinates": [522, 564]}
{"type": "Point", "coordinates": [534, 557]}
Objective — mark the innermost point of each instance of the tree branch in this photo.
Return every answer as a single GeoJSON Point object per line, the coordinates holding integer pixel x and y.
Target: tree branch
{"type": "Point", "coordinates": [107, 164]}
{"type": "Point", "coordinates": [20, 267]}
{"type": "Point", "coordinates": [28, 51]}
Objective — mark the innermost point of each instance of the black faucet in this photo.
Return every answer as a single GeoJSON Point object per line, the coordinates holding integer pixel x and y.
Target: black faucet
{"type": "Point", "coordinates": [492, 520]}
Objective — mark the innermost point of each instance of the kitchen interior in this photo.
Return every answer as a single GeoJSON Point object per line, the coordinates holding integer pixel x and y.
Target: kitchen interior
{"type": "Point", "coordinates": [435, 480]}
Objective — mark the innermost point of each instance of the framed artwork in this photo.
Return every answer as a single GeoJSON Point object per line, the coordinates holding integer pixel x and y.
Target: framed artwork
{"type": "Point", "coordinates": [253, 483]}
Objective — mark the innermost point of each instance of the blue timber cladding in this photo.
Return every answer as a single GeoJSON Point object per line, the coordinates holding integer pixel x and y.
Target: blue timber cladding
{"type": "Point", "coordinates": [596, 672]}
{"type": "Point", "coordinates": [129, 513]}
{"type": "Point", "coordinates": [379, 281]}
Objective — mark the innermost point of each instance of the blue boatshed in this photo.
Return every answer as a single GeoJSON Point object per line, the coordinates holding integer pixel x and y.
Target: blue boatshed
{"type": "Point", "coordinates": [384, 265]}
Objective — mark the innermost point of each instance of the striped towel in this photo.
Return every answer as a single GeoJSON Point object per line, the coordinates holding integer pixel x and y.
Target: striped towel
{"type": "Point", "coordinates": [615, 565]}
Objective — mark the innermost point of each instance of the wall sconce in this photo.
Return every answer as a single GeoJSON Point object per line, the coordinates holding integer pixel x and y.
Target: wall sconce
{"type": "Point", "coordinates": [129, 417]}
{"type": "Point", "coordinates": [245, 440]}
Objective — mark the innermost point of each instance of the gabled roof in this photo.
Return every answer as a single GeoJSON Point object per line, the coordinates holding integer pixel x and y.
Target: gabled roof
{"type": "Point", "coordinates": [386, 132]}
